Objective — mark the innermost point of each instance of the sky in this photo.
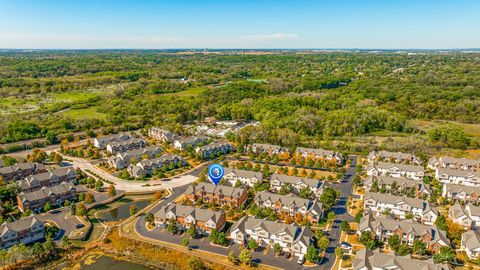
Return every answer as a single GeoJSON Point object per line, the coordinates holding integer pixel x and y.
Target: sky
{"type": "Point", "coordinates": [146, 24]}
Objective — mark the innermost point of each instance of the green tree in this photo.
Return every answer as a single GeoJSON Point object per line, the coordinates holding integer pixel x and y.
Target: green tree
{"type": "Point", "coordinates": [149, 218]}
{"type": "Point", "coordinates": [111, 191]}
{"type": "Point", "coordinates": [47, 207]}
{"type": "Point", "coordinates": [245, 257]}
{"type": "Point", "coordinates": [394, 241]}
{"type": "Point", "coordinates": [252, 244]}
{"type": "Point", "coordinates": [195, 263]}
{"type": "Point", "coordinates": [441, 222]}
{"type": "Point", "coordinates": [312, 254]}
{"type": "Point", "coordinates": [185, 242]}
{"type": "Point", "coordinates": [339, 252]}
{"type": "Point", "coordinates": [328, 198]}
{"type": "Point", "coordinates": [172, 226]}
{"type": "Point", "coordinates": [133, 209]}
{"type": "Point", "coordinates": [277, 249]}
{"type": "Point", "coordinates": [232, 257]}
{"type": "Point", "coordinates": [446, 254]}
{"type": "Point", "coordinates": [345, 226]}
{"type": "Point", "coordinates": [419, 247]}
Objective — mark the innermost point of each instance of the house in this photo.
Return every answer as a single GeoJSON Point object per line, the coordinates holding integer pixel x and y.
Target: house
{"type": "Point", "coordinates": [24, 230]}
{"type": "Point", "coordinates": [461, 193]}
{"type": "Point", "coordinates": [247, 178]}
{"type": "Point", "coordinates": [47, 179]}
{"type": "Point", "coordinates": [101, 142]}
{"type": "Point", "coordinates": [396, 170]}
{"type": "Point", "coordinates": [184, 143]}
{"type": "Point", "coordinates": [458, 177]}
{"type": "Point", "coordinates": [55, 195]}
{"type": "Point", "coordinates": [123, 160]}
{"type": "Point", "coordinates": [394, 157]}
{"type": "Point", "coordinates": [401, 185]}
{"type": "Point", "coordinates": [382, 227]}
{"type": "Point", "coordinates": [467, 216]}
{"type": "Point", "coordinates": [205, 220]}
{"type": "Point", "coordinates": [320, 153]}
{"type": "Point", "coordinates": [123, 146]}
{"type": "Point", "coordinates": [400, 206]}
{"type": "Point", "coordinates": [160, 135]}
{"type": "Point", "coordinates": [214, 149]}
{"type": "Point", "coordinates": [21, 170]}
{"type": "Point", "coordinates": [270, 149]}
{"type": "Point", "coordinates": [217, 194]}
{"type": "Point", "coordinates": [297, 183]}
{"type": "Point", "coordinates": [290, 206]}
{"type": "Point", "coordinates": [148, 166]}
{"type": "Point", "coordinates": [375, 260]}
{"type": "Point", "coordinates": [470, 243]}
{"type": "Point", "coordinates": [454, 163]}
{"type": "Point", "coordinates": [290, 237]}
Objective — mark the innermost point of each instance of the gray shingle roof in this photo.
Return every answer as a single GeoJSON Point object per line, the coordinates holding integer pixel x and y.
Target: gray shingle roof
{"type": "Point", "coordinates": [471, 239]}
{"type": "Point", "coordinates": [310, 205]}
{"type": "Point", "coordinates": [313, 183]}
{"type": "Point", "coordinates": [244, 173]}
{"type": "Point", "coordinates": [46, 192]}
{"type": "Point", "coordinates": [461, 173]}
{"type": "Point", "coordinates": [389, 198]}
{"type": "Point", "coordinates": [19, 225]}
{"type": "Point", "coordinates": [403, 167]}
{"type": "Point", "coordinates": [200, 214]}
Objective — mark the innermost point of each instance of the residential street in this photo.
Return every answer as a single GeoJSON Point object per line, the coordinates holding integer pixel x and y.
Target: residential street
{"type": "Point", "coordinates": [345, 187]}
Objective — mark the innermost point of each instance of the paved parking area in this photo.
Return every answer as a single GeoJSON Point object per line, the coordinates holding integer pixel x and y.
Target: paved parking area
{"type": "Point", "coordinates": [66, 225]}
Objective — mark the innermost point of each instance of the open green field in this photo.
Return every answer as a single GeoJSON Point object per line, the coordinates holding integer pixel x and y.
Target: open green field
{"type": "Point", "coordinates": [81, 114]}
{"type": "Point", "coordinates": [191, 92]}
{"type": "Point", "coordinates": [425, 125]}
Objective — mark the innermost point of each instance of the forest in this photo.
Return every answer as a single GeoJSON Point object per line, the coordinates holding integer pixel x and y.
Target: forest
{"type": "Point", "coordinates": [300, 98]}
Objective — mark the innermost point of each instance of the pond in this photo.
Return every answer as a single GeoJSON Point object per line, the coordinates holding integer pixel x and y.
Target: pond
{"type": "Point", "coordinates": [109, 263]}
{"type": "Point", "coordinates": [123, 211]}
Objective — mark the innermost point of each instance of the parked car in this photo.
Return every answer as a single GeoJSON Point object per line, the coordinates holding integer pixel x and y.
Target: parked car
{"type": "Point", "coordinates": [288, 255]}
{"type": "Point", "coordinates": [346, 245]}
{"type": "Point", "coordinates": [301, 259]}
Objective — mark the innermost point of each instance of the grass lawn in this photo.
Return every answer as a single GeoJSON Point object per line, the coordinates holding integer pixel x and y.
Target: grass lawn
{"type": "Point", "coordinates": [425, 125]}
{"type": "Point", "coordinates": [191, 92]}
{"type": "Point", "coordinates": [88, 113]}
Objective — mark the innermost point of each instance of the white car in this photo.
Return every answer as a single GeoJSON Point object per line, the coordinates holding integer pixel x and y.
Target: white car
{"type": "Point", "coordinates": [301, 259]}
{"type": "Point", "coordinates": [346, 245]}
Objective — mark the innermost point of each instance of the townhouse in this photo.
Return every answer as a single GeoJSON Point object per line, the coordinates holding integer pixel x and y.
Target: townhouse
{"type": "Point", "coordinates": [148, 166]}
{"type": "Point", "coordinates": [123, 146]}
{"type": "Point", "coordinates": [394, 157]}
{"type": "Point", "coordinates": [24, 230]}
{"type": "Point", "coordinates": [123, 160]}
{"type": "Point", "coordinates": [205, 220]}
{"type": "Point", "coordinates": [458, 177]}
{"type": "Point", "coordinates": [55, 195]}
{"type": "Point", "coordinates": [214, 149]}
{"type": "Point", "coordinates": [101, 142]}
{"type": "Point", "coordinates": [400, 206]}
{"type": "Point", "coordinates": [259, 148]}
{"type": "Point", "coordinates": [297, 183]}
{"type": "Point", "coordinates": [394, 184]}
{"type": "Point", "coordinates": [21, 170]}
{"type": "Point", "coordinates": [184, 143]}
{"type": "Point", "coordinates": [160, 135]}
{"type": "Point", "coordinates": [319, 153]}
{"type": "Point", "coordinates": [454, 163]}
{"type": "Point", "coordinates": [290, 237]}
{"type": "Point", "coordinates": [47, 179]}
{"type": "Point", "coordinates": [376, 260]}
{"type": "Point", "coordinates": [467, 216]}
{"type": "Point", "coordinates": [396, 170]}
{"type": "Point", "coordinates": [246, 178]}
{"type": "Point", "coordinates": [217, 194]}
{"type": "Point", "coordinates": [470, 243]}
{"type": "Point", "coordinates": [382, 227]}
{"type": "Point", "coordinates": [290, 206]}
{"type": "Point", "coordinates": [461, 193]}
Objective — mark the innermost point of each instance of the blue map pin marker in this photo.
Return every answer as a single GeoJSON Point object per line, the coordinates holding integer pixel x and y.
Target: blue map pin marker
{"type": "Point", "coordinates": [215, 173]}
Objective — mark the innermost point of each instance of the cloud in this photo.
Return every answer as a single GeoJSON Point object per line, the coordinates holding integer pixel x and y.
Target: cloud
{"type": "Point", "coordinates": [276, 36]}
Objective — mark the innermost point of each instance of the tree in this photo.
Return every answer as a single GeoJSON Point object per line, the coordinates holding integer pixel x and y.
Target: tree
{"type": "Point", "coordinates": [446, 254]}
{"type": "Point", "coordinates": [252, 244]}
{"type": "Point", "coordinates": [81, 210]}
{"type": "Point", "coordinates": [245, 257]}
{"type": "Point", "coordinates": [149, 218]}
{"type": "Point", "coordinates": [345, 226]}
{"type": "Point", "coordinates": [195, 263]}
{"type": "Point", "coordinates": [185, 242]}
{"type": "Point", "coordinates": [72, 209]}
{"type": "Point", "coordinates": [312, 254]}
{"type": "Point", "coordinates": [339, 252]}
{"type": "Point", "coordinates": [286, 189]}
{"type": "Point", "coordinates": [449, 135]}
{"type": "Point", "coordinates": [323, 242]}
{"type": "Point", "coordinates": [277, 249]}
{"type": "Point", "coordinates": [89, 198]}
{"type": "Point", "coordinates": [358, 217]}
{"type": "Point", "coordinates": [328, 197]}
{"type": "Point", "coordinates": [305, 193]}
{"type": "Point", "coordinates": [404, 250]}
{"type": "Point", "coordinates": [232, 257]}
{"type": "Point", "coordinates": [441, 222]}
{"type": "Point", "coordinates": [367, 240]}
{"type": "Point", "coordinates": [133, 209]}
{"type": "Point", "coordinates": [394, 241]}
{"type": "Point", "coordinates": [172, 226]}
{"type": "Point", "coordinates": [111, 191]}
{"type": "Point", "coordinates": [98, 185]}
{"type": "Point", "coordinates": [419, 247]}
{"type": "Point", "coordinates": [331, 215]}
{"type": "Point", "coordinates": [66, 243]}
{"type": "Point", "coordinates": [47, 207]}
{"type": "Point", "coordinates": [192, 231]}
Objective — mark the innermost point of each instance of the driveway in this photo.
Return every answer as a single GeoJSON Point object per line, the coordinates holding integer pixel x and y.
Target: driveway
{"type": "Point", "coordinates": [66, 225]}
